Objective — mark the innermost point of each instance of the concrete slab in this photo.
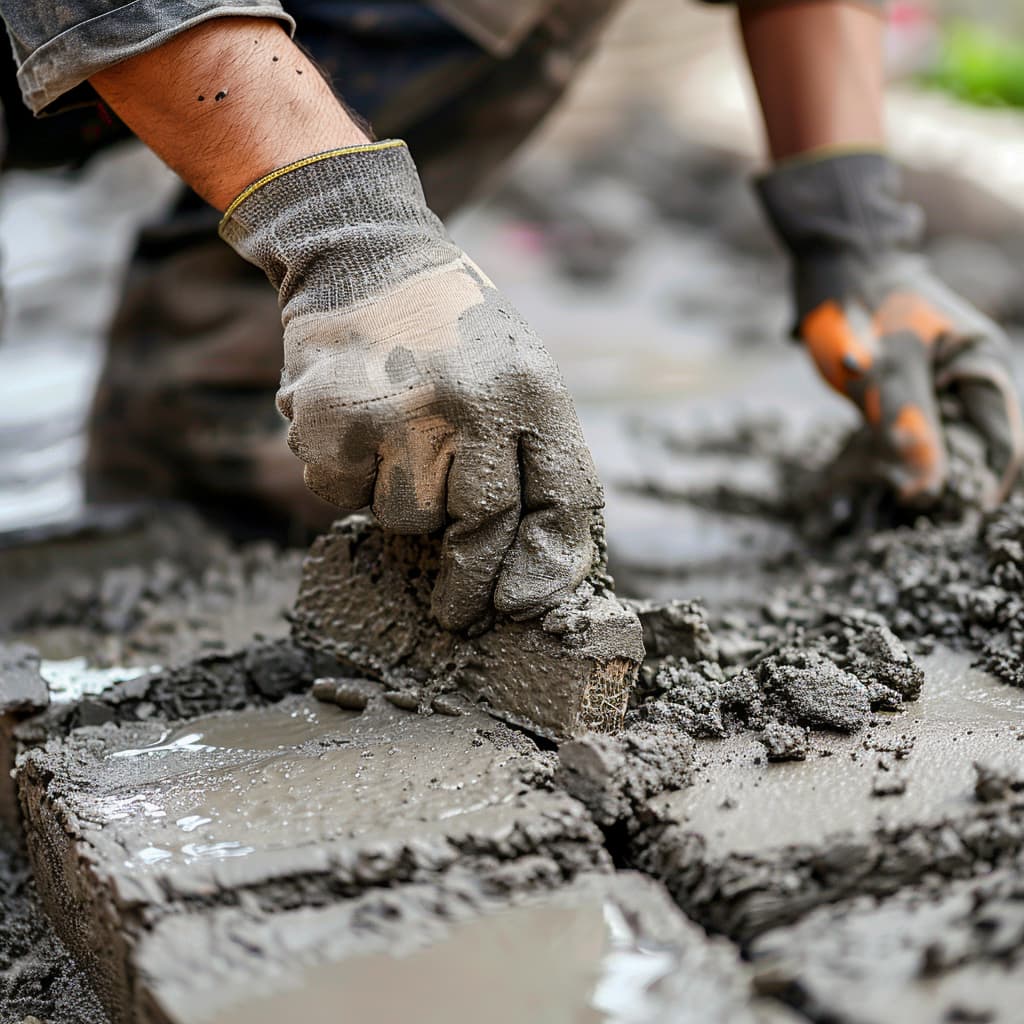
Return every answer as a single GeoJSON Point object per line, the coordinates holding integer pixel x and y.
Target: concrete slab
{"type": "Point", "coordinates": [365, 600]}
{"type": "Point", "coordinates": [949, 953]}
{"type": "Point", "coordinates": [22, 688]}
{"type": "Point", "coordinates": [863, 814]}
{"type": "Point", "coordinates": [149, 589]}
{"type": "Point", "coordinates": [297, 804]}
{"type": "Point", "coordinates": [607, 947]}
{"type": "Point", "coordinates": [23, 691]}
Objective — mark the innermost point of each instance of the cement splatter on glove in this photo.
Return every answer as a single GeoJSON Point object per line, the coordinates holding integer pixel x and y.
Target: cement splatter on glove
{"type": "Point", "coordinates": [414, 387]}
{"type": "Point", "coordinates": [883, 330]}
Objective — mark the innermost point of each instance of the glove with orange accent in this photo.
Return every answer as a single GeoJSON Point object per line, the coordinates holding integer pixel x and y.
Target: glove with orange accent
{"type": "Point", "coordinates": [883, 330]}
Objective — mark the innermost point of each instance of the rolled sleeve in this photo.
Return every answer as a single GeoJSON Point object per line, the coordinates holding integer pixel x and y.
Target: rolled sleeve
{"type": "Point", "coordinates": [59, 44]}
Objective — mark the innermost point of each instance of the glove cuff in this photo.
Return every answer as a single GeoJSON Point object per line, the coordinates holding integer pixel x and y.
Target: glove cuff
{"type": "Point", "coordinates": [839, 217]}
{"type": "Point", "coordinates": [338, 228]}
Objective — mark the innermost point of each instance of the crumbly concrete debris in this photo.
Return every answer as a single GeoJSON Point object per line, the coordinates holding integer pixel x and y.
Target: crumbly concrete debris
{"type": "Point", "coordinates": [933, 952]}
{"type": "Point", "coordinates": [616, 776]}
{"type": "Point", "coordinates": [869, 816]}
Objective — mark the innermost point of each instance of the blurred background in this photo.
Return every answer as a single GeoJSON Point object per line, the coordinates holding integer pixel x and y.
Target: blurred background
{"type": "Point", "coordinates": [626, 233]}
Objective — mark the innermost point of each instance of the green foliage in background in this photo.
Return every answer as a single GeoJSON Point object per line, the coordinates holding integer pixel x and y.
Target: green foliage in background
{"type": "Point", "coordinates": [980, 66]}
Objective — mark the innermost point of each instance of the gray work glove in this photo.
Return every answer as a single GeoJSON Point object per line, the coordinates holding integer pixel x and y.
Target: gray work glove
{"type": "Point", "coordinates": [414, 387]}
{"type": "Point", "coordinates": [883, 330]}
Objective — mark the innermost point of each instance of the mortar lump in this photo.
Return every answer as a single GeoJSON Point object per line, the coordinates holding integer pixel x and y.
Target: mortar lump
{"type": "Point", "coordinates": [849, 668]}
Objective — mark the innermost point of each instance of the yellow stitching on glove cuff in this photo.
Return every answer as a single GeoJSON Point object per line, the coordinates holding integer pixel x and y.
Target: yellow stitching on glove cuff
{"type": "Point", "coordinates": [366, 147]}
{"type": "Point", "coordinates": [829, 152]}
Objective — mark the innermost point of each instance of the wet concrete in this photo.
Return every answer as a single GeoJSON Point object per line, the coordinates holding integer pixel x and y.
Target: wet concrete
{"type": "Point", "coordinates": [604, 948]}
{"type": "Point", "coordinates": [22, 688]}
{"type": "Point", "coordinates": [192, 866]}
{"type": "Point", "coordinates": [752, 844]}
{"type": "Point", "coordinates": [616, 777]}
{"type": "Point", "coordinates": [148, 587]}
{"type": "Point", "coordinates": [38, 976]}
{"type": "Point", "coordinates": [277, 808]}
{"type": "Point", "coordinates": [23, 691]}
{"type": "Point", "coordinates": [145, 816]}
{"type": "Point", "coordinates": [959, 583]}
{"type": "Point", "coordinates": [365, 600]}
{"type": "Point", "coordinates": [150, 814]}
{"type": "Point", "coordinates": [804, 669]}
{"type": "Point", "coordinates": [255, 675]}
{"type": "Point", "coordinates": [939, 952]}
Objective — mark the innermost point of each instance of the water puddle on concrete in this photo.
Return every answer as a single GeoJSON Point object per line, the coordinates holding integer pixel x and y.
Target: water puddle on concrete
{"type": "Point", "coordinates": [70, 679]}
{"type": "Point", "coordinates": [626, 989]}
{"type": "Point", "coordinates": [191, 852]}
{"type": "Point", "coordinates": [298, 774]}
{"type": "Point", "coordinates": [190, 741]}
{"type": "Point", "coordinates": [210, 773]}
{"type": "Point", "coordinates": [543, 964]}
{"type": "Point", "coordinates": [255, 730]}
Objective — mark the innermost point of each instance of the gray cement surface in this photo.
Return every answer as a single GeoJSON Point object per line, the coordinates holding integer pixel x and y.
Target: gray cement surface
{"type": "Point", "coordinates": [244, 845]}
{"type": "Point", "coordinates": [753, 844]}
{"type": "Point", "coordinates": [217, 788]}
{"type": "Point", "coordinates": [189, 821]}
{"type": "Point", "coordinates": [937, 952]}
{"type": "Point", "coordinates": [22, 688]}
{"type": "Point", "coordinates": [153, 586]}
{"type": "Point", "coordinates": [605, 947]}
{"type": "Point", "coordinates": [281, 807]}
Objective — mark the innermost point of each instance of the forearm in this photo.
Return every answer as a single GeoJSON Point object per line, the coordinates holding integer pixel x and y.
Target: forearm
{"type": "Point", "coordinates": [227, 102]}
{"type": "Point", "coordinates": [818, 70]}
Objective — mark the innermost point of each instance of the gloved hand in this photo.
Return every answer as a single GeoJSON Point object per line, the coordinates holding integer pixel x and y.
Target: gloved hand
{"type": "Point", "coordinates": [883, 330]}
{"type": "Point", "coordinates": [414, 387]}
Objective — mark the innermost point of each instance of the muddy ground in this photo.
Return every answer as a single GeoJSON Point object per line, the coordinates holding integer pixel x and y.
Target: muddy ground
{"type": "Point", "coordinates": [822, 775]}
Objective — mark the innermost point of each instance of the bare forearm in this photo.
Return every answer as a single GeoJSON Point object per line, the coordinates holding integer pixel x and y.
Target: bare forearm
{"type": "Point", "coordinates": [227, 102]}
{"type": "Point", "coordinates": [819, 74]}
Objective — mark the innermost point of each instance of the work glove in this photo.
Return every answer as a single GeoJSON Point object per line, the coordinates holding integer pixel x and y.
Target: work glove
{"type": "Point", "coordinates": [883, 330]}
{"type": "Point", "coordinates": [415, 388]}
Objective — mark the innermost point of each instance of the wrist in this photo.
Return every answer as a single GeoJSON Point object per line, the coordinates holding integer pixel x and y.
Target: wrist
{"type": "Point", "coordinates": [844, 222]}
{"type": "Point", "coordinates": [338, 228]}
{"type": "Point", "coordinates": [302, 162]}
{"type": "Point", "coordinates": [226, 102]}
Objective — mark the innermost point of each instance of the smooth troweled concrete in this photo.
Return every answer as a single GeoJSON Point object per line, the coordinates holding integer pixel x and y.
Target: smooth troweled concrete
{"type": "Point", "coordinates": [606, 948]}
